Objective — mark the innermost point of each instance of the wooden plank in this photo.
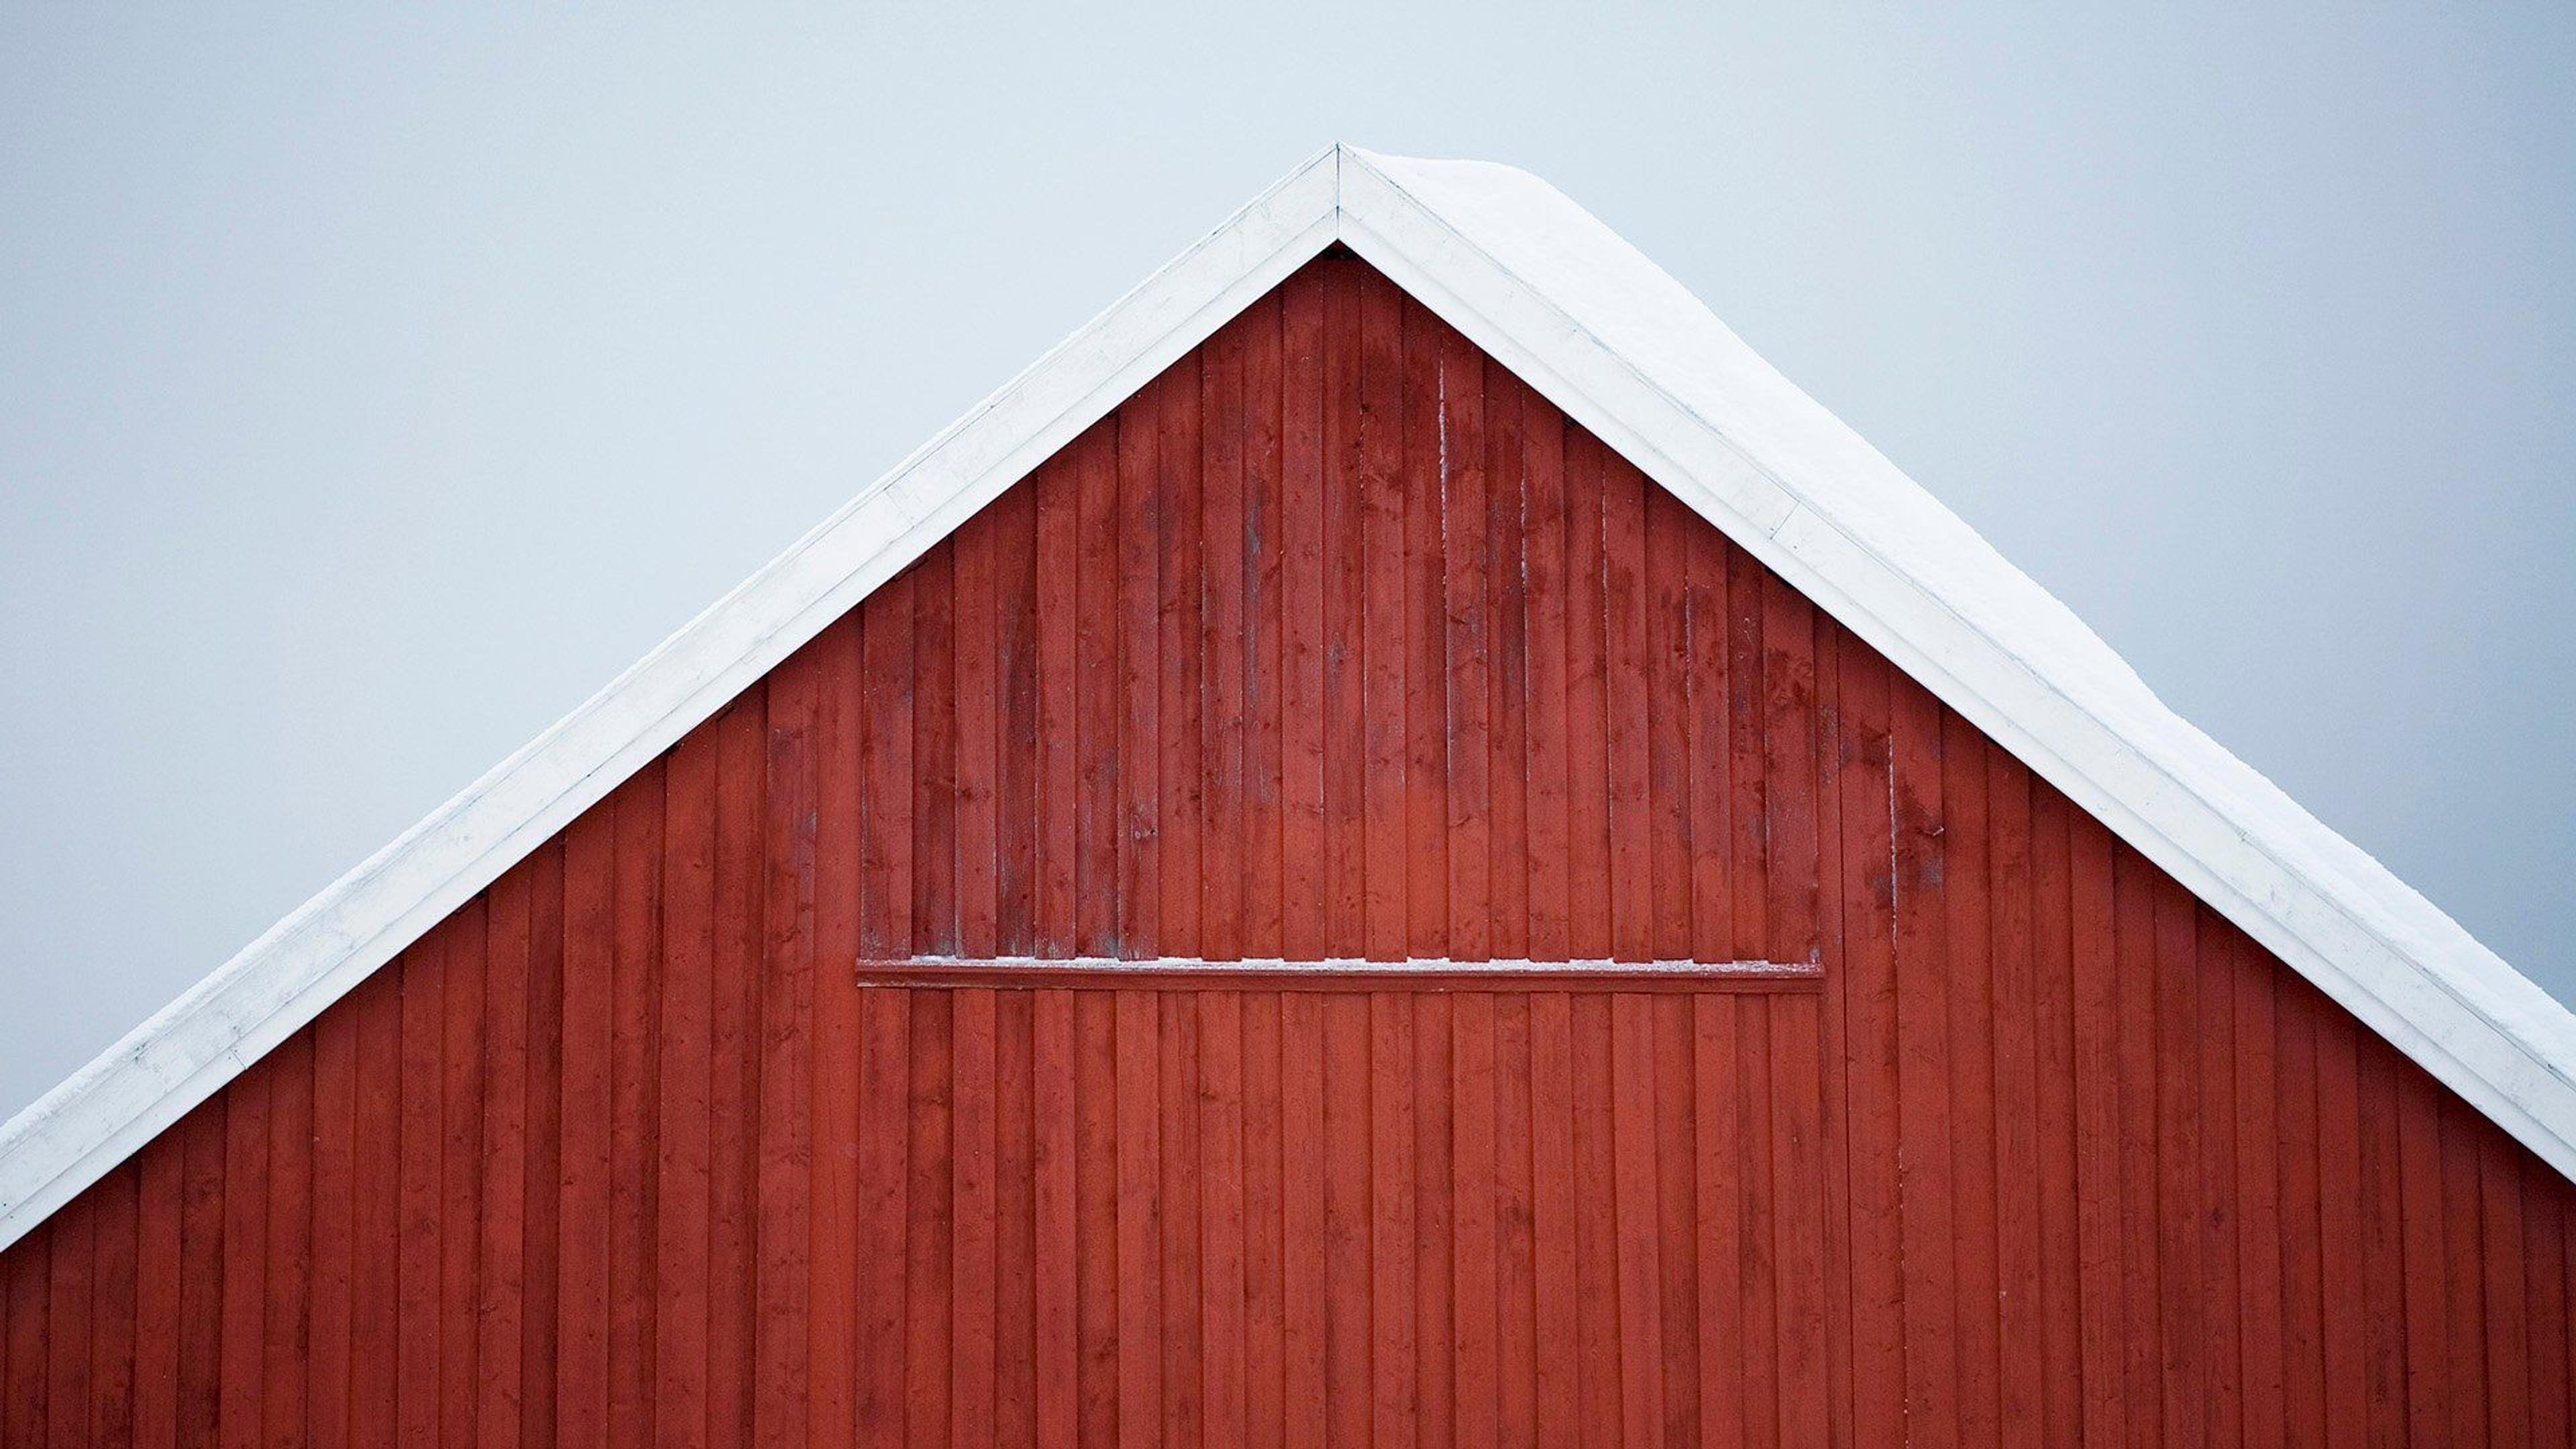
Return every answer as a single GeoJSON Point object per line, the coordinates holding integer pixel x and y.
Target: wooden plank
{"type": "Point", "coordinates": [1634, 1187]}
{"type": "Point", "coordinates": [1704, 730]}
{"type": "Point", "coordinates": [1308, 1306]}
{"type": "Point", "coordinates": [1422, 486]}
{"type": "Point", "coordinates": [2303, 1288]}
{"type": "Point", "coordinates": [417, 1326]}
{"type": "Point", "coordinates": [1595, 1340]}
{"type": "Point", "coordinates": [1747, 723]}
{"type": "Point", "coordinates": [1758, 1213]}
{"type": "Point", "coordinates": [632, 1100]}
{"type": "Point", "coordinates": [1789, 770]}
{"type": "Point", "coordinates": [1797, 1131]}
{"type": "Point", "coordinates": [1925, 1068]}
{"type": "Point", "coordinates": [1677, 1219]}
{"type": "Point", "coordinates": [2179, 1208]}
{"type": "Point", "coordinates": [1221, 645]}
{"type": "Point", "coordinates": [1383, 641]}
{"type": "Point", "coordinates": [1507, 707]}
{"type": "Point", "coordinates": [1394, 1348]}
{"type": "Point", "coordinates": [1468, 576]}
{"type": "Point", "coordinates": [157, 1173]}
{"type": "Point", "coordinates": [2053, 1008]}
{"type": "Point", "coordinates": [1058, 1244]}
{"type": "Point", "coordinates": [1193, 974]}
{"type": "Point", "coordinates": [782, 1279]}
{"type": "Point", "coordinates": [929, 1220]}
{"type": "Point", "coordinates": [24, 1301]}
{"type": "Point", "coordinates": [247, 1184]}
{"type": "Point", "coordinates": [1217, 1017]}
{"type": "Point", "coordinates": [979, 722]}
{"type": "Point", "coordinates": [500, 1257]}
{"type": "Point", "coordinates": [2258, 1188]}
{"type": "Point", "coordinates": [1175, 1215]}
{"type": "Point", "coordinates": [61, 1355]}
{"type": "Point", "coordinates": [2419, 1146]}
{"type": "Point", "coordinates": [1664, 573]}
{"type": "Point", "coordinates": [1870, 1030]}
{"type": "Point", "coordinates": [935, 807]}
{"type": "Point", "coordinates": [843, 728]}
{"type": "Point", "coordinates": [2221, 1412]}
{"type": "Point", "coordinates": [1834, 1129]}
{"type": "Point", "coordinates": [1625, 721]}
{"type": "Point", "coordinates": [2022, 1330]}
{"type": "Point", "coordinates": [1139, 1219]}
{"type": "Point", "coordinates": [1348, 1285]}
{"type": "Point", "coordinates": [1345, 593]}
{"type": "Point", "coordinates": [2508, 1341]}
{"type": "Point", "coordinates": [1435, 1290]}
{"type": "Point", "coordinates": [459, 1160]}
{"type": "Point", "coordinates": [1263, 1228]}
{"type": "Point", "coordinates": [883, 1214]}
{"type": "Point", "coordinates": [202, 1240]}
{"type": "Point", "coordinates": [1097, 701]}
{"type": "Point", "coordinates": [2462, 1229]}
{"type": "Point", "coordinates": [1016, 627]}
{"type": "Point", "coordinates": [112, 1323]}
{"type": "Point", "coordinates": [2133, 926]}
{"type": "Point", "coordinates": [1015, 1242]}
{"type": "Point", "coordinates": [2381, 1247]}
{"type": "Point", "coordinates": [1516, 1328]}
{"type": "Point", "coordinates": [884, 730]}
{"type": "Point", "coordinates": [1475, 1271]}
{"type": "Point", "coordinates": [1264, 638]}
{"type": "Point", "coordinates": [1180, 414]}
{"type": "Point", "coordinates": [733, 1102]}
{"type": "Point", "coordinates": [1057, 486]}
{"type": "Point", "coordinates": [974, 1149]}
{"type": "Point", "coordinates": [1718, 1135]}
{"type": "Point", "coordinates": [2100, 1164]}
{"type": "Point", "coordinates": [685, 1080]}
{"type": "Point", "coordinates": [1967, 896]}
{"type": "Point", "coordinates": [1544, 562]}
{"type": "Point", "coordinates": [1145, 483]}
{"type": "Point", "coordinates": [376, 1229]}
{"type": "Point", "coordinates": [2340, 1227]}
{"type": "Point", "coordinates": [286, 1319]}
{"type": "Point", "coordinates": [1096, 1173]}
{"type": "Point", "coordinates": [1588, 824]}
{"type": "Point", "coordinates": [1301, 591]}
{"type": "Point", "coordinates": [2544, 1202]}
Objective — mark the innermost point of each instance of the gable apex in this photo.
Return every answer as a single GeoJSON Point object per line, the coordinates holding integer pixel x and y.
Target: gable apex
{"type": "Point", "coordinates": [1551, 293]}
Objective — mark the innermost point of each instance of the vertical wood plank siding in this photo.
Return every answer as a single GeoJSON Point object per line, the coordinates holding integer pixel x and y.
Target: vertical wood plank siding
{"type": "Point", "coordinates": [1335, 640]}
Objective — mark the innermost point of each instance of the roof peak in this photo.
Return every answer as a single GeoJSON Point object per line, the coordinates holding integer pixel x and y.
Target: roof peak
{"type": "Point", "coordinates": [1550, 292]}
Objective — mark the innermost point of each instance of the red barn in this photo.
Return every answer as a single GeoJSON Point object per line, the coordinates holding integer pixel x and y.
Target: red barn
{"type": "Point", "coordinates": [1397, 844]}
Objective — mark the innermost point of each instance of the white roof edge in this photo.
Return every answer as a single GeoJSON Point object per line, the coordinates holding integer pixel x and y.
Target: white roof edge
{"type": "Point", "coordinates": [1605, 335]}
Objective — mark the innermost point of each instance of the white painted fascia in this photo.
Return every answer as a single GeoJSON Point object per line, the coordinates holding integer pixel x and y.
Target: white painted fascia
{"type": "Point", "coordinates": [1608, 337]}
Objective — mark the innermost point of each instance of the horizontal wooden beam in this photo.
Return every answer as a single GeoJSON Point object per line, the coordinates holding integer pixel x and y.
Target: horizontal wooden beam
{"type": "Point", "coordinates": [1189, 973]}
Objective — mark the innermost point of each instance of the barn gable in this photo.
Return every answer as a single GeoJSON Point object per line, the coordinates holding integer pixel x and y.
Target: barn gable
{"type": "Point", "coordinates": [1204, 640]}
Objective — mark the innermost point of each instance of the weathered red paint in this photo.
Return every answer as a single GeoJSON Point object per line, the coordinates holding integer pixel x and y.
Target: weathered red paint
{"type": "Point", "coordinates": [1336, 640]}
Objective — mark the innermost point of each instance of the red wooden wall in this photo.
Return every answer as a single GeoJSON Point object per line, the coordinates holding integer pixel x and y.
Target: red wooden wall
{"type": "Point", "coordinates": [1334, 641]}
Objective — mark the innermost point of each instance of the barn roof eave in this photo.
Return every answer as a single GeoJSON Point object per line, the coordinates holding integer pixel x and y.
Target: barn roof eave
{"type": "Point", "coordinates": [1625, 350]}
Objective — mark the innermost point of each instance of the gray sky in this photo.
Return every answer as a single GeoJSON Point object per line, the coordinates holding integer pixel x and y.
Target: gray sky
{"type": "Point", "coordinates": [374, 386]}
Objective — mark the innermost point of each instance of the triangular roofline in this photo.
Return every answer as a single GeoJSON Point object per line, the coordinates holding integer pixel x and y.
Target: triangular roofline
{"type": "Point", "coordinates": [1604, 334]}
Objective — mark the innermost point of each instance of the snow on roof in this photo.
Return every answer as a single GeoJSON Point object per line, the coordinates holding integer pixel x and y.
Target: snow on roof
{"type": "Point", "coordinates": [1625, 350]}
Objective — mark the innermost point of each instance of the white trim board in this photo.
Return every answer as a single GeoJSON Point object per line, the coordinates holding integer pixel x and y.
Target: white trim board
{"type": "Point", "coordinates": [1622, 348]}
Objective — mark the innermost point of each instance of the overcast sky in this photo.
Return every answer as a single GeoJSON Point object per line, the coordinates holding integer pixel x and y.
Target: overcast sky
{"type": "Point", "coordinates": [375, 386]}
